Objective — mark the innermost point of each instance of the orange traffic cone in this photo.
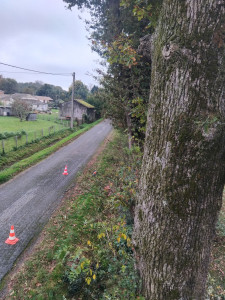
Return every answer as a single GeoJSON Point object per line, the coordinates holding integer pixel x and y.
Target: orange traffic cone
{"type": "Point", "coordinates": [65, 171]}
{"type": "Point", "coordinates": [12, 240]}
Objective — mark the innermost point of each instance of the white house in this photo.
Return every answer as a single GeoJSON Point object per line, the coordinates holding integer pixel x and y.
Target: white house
{"type": "Point", "coordinates": [38, 103]}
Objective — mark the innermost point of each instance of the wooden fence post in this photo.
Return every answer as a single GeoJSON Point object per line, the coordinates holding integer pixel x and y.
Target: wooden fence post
{"type": "Point", "coordinates": [3, 146]}
{"type": "Point", "coordinates": [16, 141]}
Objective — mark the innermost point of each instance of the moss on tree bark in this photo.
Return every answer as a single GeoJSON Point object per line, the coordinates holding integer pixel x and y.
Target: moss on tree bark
{"type": "Point", "coordinates": [183, 168]}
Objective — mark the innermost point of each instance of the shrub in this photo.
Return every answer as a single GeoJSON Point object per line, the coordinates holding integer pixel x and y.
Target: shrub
{"type": "Point", "coordinates": [2, 136]}
{"type": "Point", "coordinates": [7, 135]}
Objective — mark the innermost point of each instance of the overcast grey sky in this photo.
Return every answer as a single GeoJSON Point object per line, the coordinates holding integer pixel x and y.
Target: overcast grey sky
{"type": "Point", "coordinates": [44, 35]}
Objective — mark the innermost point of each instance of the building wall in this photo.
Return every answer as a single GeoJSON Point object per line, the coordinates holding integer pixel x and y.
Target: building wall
{"type": "Point", "coordinates": [78, 110]}
{"type": "Point", "coordinates": [40, 107]}
{"type": "Point", "coordinates": [5, 111]}
{"type": "Point", "coordinates": [91, 114]}
{"type": "Point", "coordinates": [31, 117]}
{"type": "Point", "coordinates": [7, 100]}
{"type": "Point", "coordinates": [32, 101]}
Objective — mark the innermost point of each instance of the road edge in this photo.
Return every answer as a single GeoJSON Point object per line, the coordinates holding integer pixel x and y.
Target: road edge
{"type": "Point", "coordinates": [32, 246]}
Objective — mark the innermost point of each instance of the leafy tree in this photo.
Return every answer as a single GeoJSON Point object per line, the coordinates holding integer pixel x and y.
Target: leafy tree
{"type": "Point", "coordinates": [45, 90]}
{"type": "Point", "coordinates": [20, 109]}
{"type": "Point", "coordinates": [115, 32]}
{"type": "Point", "coordinates": [81, 90]}
{"type": "Point", "coordinates": [97, 99]}
{"type": "Point", "coordinates": [8, 85]}
{"type": "Point", "coordinates": [183, 166]}
{"type": "Point", "coordinates": [29, 87]}
{"type": "Point", "coordinates": [94, 89]}
{"type": "Point", "coordinates": [55, 92]}
{"type": "Point", "coordinates": [28, 90]}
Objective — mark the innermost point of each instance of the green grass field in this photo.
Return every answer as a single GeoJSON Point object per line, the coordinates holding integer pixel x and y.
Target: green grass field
{"type": "Point", "coordinates": [13, 124]}
{"type": "Point", "coordinates": [46, 147]}
{"type": "Point", "coordinates": [87, 243]}
{"type": "Point", "coordinates": [34, 129]}
{"type": "Point", "coordinates": [54, 116]}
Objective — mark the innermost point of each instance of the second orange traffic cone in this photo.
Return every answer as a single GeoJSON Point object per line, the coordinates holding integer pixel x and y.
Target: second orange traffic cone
{"type": "Point", "coordinates": [12, 240]}
{"type": "Point", "coordinates": [65, 171]}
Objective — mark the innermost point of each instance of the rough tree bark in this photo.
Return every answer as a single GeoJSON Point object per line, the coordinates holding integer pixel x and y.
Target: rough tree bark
{"type": "Point", "coordinates": [183, 170]}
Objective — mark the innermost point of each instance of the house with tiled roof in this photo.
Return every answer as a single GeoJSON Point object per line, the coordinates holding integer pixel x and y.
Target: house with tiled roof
{"type": "Point", "coordinates": [37, 103]}
{"type": "Point", "coordinates": [5, 104]}
{"type": "Point", "coordinates": [44, 99]}
{"type": "Point", "coordinates": [82, 111]}
{"type": "Point", "coordinates": [33, 101]}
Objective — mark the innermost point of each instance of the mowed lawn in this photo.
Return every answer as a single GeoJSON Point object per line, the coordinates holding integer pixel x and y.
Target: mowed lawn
{"type": "Point", "coordinates": [34, 129]}
{"type": "Point", "coordinates": [52, 117]}
{"type": "Point", "coordinates": [13, 124]}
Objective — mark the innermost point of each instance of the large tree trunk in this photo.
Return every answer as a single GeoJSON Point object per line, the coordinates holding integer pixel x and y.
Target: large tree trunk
{"type": "Point", "coordinates": [183, 170]}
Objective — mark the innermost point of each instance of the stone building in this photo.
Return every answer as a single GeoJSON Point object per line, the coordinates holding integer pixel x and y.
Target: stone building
{"type": "Point", "coordinates": [5, 110]}
{"type": "Point", "coordinates": [5, 104]}
{"type": "Point", "coordinates": [37, 103]}
{"type": "Point", "coordinates": [83, 112]}
{"type": "Point", "coordinates": [34, 101]}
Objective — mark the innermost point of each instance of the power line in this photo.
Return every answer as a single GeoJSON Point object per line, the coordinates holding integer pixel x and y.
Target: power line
{"type": "Point", "coordinates": [14, 72]}
{"type": "Point", "coordinates": [39, 72]}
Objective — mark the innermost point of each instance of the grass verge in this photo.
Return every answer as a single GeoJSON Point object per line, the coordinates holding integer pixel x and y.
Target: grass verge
{"type": "Point", "coordinates": [12, 124]}
{"type": "Point", "coordinates": [22, 152]}
{"type": "Point", "coordinates": [21, 165]}
{"type": "Point", "coordinates": [86, 250]}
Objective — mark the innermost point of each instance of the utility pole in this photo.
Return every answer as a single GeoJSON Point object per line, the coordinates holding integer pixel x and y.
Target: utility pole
{"type": "Point", "coordinates": [73, 84]}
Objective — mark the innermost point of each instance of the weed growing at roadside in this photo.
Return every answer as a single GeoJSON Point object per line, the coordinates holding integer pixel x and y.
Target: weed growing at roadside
{"type": "Point", "coordinates": [87, 250]}
{"type": "Point", "coordinates": [103, 267]}
{"type": "Point", "coordinates": [87, 253]}
{"type": "Point", "coordinates": [20, 165]}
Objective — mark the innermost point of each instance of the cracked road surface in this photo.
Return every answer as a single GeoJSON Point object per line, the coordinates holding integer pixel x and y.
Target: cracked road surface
{"type": "Point", "coordinates": [28, 200]}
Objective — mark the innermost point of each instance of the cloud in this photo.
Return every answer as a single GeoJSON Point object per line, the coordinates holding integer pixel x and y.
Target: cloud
{"type": "Point", "coordinates": [44, 35]}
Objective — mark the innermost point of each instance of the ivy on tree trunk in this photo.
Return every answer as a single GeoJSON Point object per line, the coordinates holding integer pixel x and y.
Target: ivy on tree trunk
{"type": "Point", "coordinates": [183, 169]}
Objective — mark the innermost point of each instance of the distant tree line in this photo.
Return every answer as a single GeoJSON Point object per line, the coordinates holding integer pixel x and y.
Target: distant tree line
{"type": "Point", "coordinates": [11, 86]}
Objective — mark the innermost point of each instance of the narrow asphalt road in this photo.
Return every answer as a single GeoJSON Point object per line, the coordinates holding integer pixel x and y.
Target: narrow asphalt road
{"type": "Point", "coordinates": [28, 200]}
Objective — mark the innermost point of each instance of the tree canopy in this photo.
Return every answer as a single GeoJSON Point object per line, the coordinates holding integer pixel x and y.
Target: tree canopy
{"type": "Point", "coordinates": [21, 109]}
{"type": "Point", "coordinates": [115, 29]}
{"type": "Point", "coordinates": [8, 85]}
{"type": "Point", "coordinates": [55, 92]}
{"type": "Point", "coordinates": [81, 90]}
{"type": "Point", "coordinates": [182, 58]}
